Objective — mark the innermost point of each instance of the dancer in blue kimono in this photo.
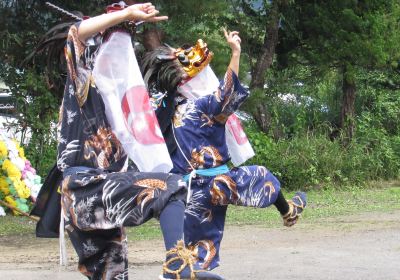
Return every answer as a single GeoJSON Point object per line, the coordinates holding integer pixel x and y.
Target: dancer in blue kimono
{"type": "Point", "coordinates": [199, 144]}
{"type": "Point", "coordinates": [106, 119]}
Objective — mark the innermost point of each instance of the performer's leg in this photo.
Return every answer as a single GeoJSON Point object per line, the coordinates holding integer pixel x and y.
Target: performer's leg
{"type": "Point", "coordinates": [296, 207]}
{"type": "Point", "coordinates": [291, 209]}
{"type": "Point", "coordinates": [98, 200]}
{"type": "Point", "coordinates": [180, 262]}
{"type": "Point", "coordinates": [205, 235]}
{"type": "Point", "coordinates": [257, 187]}
{"type": "Point", "coordinates": [171, 222]}
{"type": "Point", "coordinates": [102, 254]}
{"type": "Point", "coordinates": [247, 186]}
{"type": "Point", "coordinates": [97, 204]}
{"type": "Point", "coordinates": [281, 204]}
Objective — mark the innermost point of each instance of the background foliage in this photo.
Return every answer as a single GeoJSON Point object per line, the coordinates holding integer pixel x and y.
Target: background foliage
{"type": "Point", "coordinates": [324, 78]}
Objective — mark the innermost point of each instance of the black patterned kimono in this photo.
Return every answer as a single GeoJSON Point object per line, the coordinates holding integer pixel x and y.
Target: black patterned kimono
{"type": "Point", "coordinates": [99, 196]}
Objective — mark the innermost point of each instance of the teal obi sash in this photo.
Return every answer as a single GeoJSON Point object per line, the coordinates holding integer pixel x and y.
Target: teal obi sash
{"type": "Point", "coordinates": [210, 172]}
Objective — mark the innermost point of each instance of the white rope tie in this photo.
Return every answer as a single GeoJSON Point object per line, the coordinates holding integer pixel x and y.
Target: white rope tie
{"type": "Point", "coordinates": [63, 250]}
{"type": "Point", "coordinates": [189, 193]}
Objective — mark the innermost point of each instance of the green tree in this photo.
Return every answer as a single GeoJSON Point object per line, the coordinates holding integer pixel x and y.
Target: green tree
{"type": "Point", "coordinates": [348, 35]}
{"type": "Point", "coordinates": [22, 24]}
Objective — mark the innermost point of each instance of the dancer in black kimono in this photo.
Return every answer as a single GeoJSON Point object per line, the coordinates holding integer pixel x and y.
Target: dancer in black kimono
{"type": "Point", "coordinates": [100, 193]}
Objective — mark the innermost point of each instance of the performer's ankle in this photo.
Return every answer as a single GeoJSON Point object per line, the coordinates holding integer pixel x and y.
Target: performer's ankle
{"type": "Point", "coordinates": [281, 204]}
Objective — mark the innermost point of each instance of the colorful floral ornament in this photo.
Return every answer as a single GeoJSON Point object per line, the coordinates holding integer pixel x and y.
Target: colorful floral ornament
{"type": "Point", "coordinates": [21, 188]}
{"type": "Point", "coordinates": [19, 184]}
{"type": "Point", "coordinates": [10, 169]}
{"type": "Point", "coordinates": [4, 189]}
{"type": "Point", "coordinates": [22, 204]}
{"type": "Point", "coordinates": [21, 153]}
{"type": "Point", "coordinates": [10, 200]}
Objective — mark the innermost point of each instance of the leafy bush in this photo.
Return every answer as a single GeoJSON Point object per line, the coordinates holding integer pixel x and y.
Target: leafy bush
{"type": "Point", "coordinates": [36, 114]}
{"type": "Point", "coordinates": [315, 161]}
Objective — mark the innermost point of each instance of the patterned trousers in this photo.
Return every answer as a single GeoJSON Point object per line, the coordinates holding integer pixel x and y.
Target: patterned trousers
{"type": "Point", "coordinates": [97, 205]}
{"type": "Point", "coordinates": [252, 186]}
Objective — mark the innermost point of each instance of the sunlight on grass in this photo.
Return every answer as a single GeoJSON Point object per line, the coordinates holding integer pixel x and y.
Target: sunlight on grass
{"type": "Point", "coordinates": [148, 231]}
{"type": "Point", "coordinates": [322, 204]}
{"type": "Point", "coordinates": [10, 225]}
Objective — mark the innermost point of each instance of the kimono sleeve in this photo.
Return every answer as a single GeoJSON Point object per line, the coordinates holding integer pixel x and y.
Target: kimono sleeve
{"type": "Point", "coordinates": [79, 75]}
{"type": "Point", "coordinates": [226, 100]}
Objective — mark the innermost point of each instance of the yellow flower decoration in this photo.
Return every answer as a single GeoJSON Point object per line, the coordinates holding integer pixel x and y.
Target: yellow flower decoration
{"type": "Point", "coordinates": [3, 150]}
{"type": "Point", "coordinates": [4, 186]}
{"type": "Point", "coordinates": [11, 169]}
{"type": "Point", "coordinates": [10, 200]}
{"type": "Point", "coordinates": [21, 153]}
{"type": "Point", "coordinates": [3, 182]}
{"type": "Point", "coordinates": [22, 190]}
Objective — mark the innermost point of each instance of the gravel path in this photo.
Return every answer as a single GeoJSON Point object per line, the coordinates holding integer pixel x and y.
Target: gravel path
{"type": "Point", "coordinates": [364, 246]}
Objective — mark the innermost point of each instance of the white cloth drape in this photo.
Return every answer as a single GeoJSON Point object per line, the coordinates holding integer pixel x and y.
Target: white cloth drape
{"type": "Point", "coordinates": [205, 83]}
{"type": "Point", "coordinates": [128, 110]}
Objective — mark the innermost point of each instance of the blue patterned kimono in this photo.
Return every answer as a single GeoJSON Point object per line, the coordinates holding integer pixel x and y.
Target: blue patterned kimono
{"type": "Point", "coordinates": [199, 129]}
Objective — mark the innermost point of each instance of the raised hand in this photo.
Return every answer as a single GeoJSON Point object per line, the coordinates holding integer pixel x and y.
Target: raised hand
{"type": "Point", "coordinates": [233, 40]}
{"type": "Point", "coordinates": [143, 12]}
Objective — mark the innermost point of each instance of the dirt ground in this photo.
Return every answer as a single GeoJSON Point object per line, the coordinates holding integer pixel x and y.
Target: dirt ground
{"type": "Point", "coordinates": [363, 246]}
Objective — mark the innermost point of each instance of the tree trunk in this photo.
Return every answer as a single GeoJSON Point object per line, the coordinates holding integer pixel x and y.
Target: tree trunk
{"type": "Point", "coordinates": [264, 62]}
{"type": "Point", "coordinates": [347, 114]}
{"type": "Point", "coordinates": [263, 117]}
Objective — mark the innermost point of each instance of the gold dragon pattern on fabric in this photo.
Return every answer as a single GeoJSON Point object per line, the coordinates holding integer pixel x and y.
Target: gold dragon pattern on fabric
{"type": "Point", "coordinates": [218, 196]}
{"type": "Point", "coordinates": [67, 202]}
{"type": "Point", "coordinates": [198, 157]}
{"type": "Point", "coordinates": [269, 186]}
{"type": "Point", "coordinates": [150, 185]}
{"type": "Point", "coordinates": [103, 147]}
{"type": "Point", "coordinates": [80, 75]}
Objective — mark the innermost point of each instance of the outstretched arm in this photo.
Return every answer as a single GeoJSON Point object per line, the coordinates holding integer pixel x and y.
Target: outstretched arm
{"type": "Point", "coordinates": [137, 12]}
{"type": "Point", "coordinates": [230, 94]}
{"type": "Point", "coordinates": [234, 41]}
